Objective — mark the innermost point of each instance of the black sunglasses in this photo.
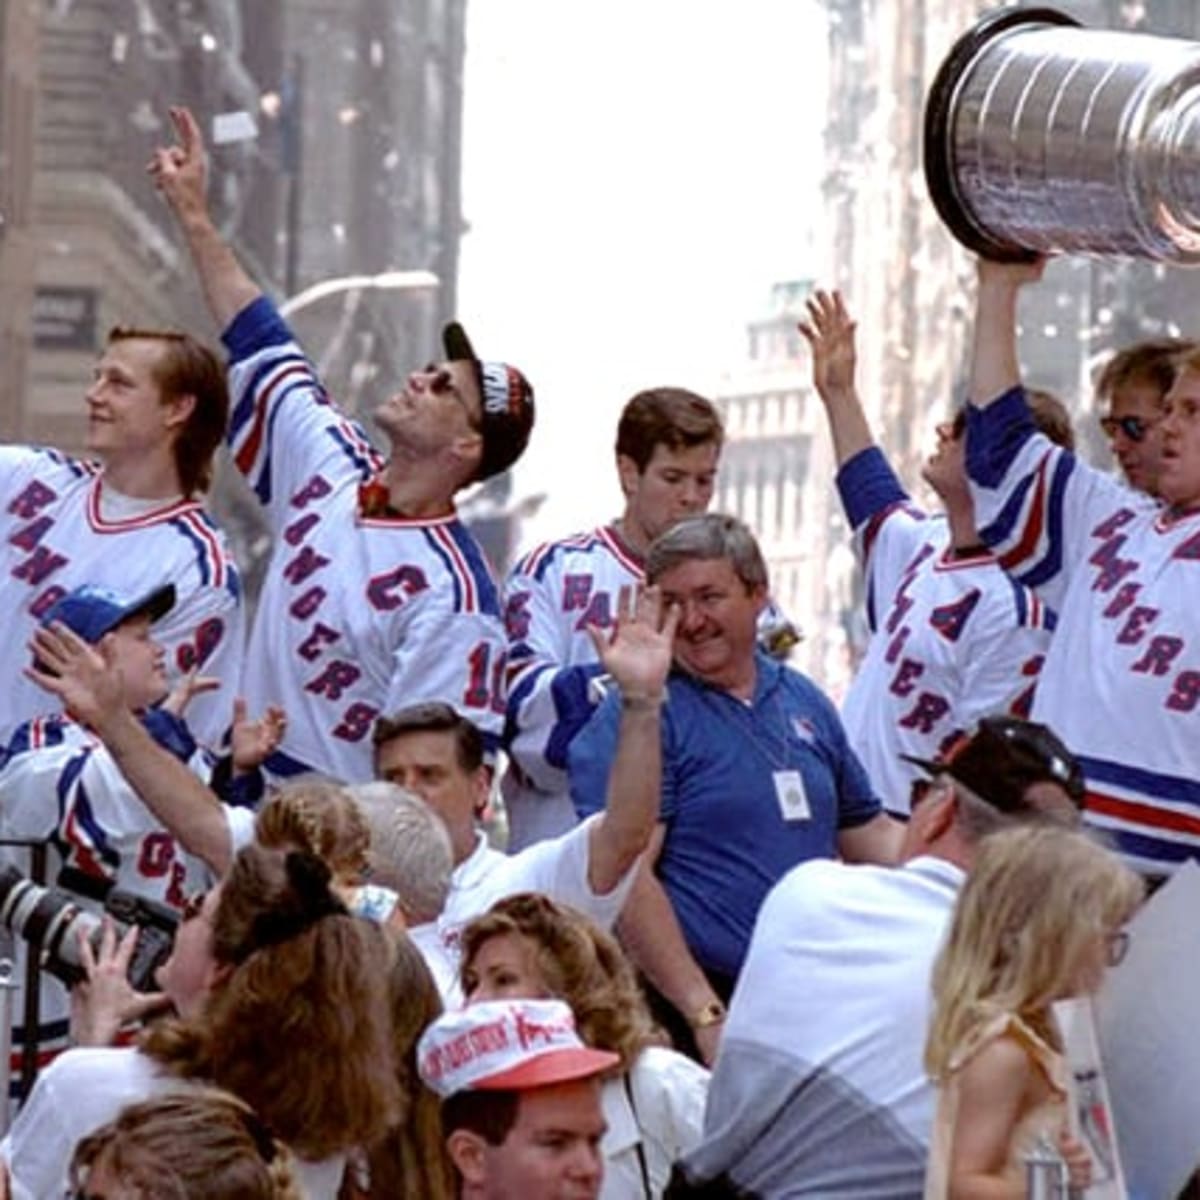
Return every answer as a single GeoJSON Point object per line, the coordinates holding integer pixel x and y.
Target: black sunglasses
{"type": "Point", "coordinates": [1134, 428]}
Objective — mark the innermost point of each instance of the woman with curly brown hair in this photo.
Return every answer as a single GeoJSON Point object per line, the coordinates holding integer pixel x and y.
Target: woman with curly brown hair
{"type": "Point", "coordinates": [282, 998]}
{"type": "Point", "coordinates": [204, 1144]}
{"type": "Point", "coordinates": [529, 946]}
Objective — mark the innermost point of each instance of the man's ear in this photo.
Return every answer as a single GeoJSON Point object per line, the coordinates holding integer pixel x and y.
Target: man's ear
{"type": "Point", "coordinates": [937, 812]}
{"type": "Point", "coordinates": [628, 474]}
{"type": "Point", "coordinates": [467, 1152]}
{"type": "Point", "coordinates": [467, 450]}
{"type": "Point", "coordinates": [482, 784]}
{"type": "Point", "coordinates": [179, 409]}
{"type": "Point", "coordinates": [760, 595]}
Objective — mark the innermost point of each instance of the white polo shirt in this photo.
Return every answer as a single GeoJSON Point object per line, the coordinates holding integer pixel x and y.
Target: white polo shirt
{"type": "Point", "coordinates": [557, 868]}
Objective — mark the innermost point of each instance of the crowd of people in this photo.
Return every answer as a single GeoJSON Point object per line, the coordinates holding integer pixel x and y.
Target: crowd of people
{"type": "Point", "coordinates": [739, 942]}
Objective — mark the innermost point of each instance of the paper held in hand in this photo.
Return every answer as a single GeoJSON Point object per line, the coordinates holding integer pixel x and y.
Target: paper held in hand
{"type": "Point", "coordinates": [1089, 1107]}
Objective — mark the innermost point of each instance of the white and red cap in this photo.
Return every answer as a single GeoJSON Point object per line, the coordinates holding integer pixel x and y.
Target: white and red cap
{"type": "Point", "coordinates": [506, 1045]}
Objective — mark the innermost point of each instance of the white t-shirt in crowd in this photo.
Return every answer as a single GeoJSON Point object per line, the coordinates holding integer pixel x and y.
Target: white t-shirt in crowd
{"type": "Point", "coordinates": [86, 1088]}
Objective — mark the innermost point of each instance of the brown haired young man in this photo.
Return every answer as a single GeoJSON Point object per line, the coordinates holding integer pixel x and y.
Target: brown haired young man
{"type": "Point", "coordinates": [129, 518]}
{"type": "Point", "coordinates": [668, 443]}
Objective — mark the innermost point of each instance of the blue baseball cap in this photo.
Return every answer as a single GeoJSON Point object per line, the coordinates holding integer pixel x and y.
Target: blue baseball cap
{"type": "Point", "coordinates": [91, 611]}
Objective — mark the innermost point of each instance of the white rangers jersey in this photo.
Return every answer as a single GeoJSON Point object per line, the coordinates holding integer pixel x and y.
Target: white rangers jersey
{"type": "Point", "coordinates": [1121, 682]}
{"type": "Point", "coordinates": [952, 639]}
{"type": "Point", "coordinates": [359, 615]}
{"type": "Point", "coordinates": [552, 595]}
{"type": "Point", "coordinates": [60, 786]}
{"type": "Point", "coordinates": [63, 528]}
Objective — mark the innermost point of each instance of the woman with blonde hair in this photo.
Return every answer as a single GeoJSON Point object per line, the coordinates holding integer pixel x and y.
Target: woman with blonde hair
{"type": "Point", "coordinates": [529, 946]}
{"type": "Point", "coordinates": [204, 1144]}
{"type": "Point", "coordinates": [282, 998]}
{"type": "Point", "coordinates": [1039, 919]}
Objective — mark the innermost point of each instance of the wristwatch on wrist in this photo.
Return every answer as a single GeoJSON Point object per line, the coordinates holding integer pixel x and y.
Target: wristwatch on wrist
{"type": "Point", "coordinates": [713, 1013]}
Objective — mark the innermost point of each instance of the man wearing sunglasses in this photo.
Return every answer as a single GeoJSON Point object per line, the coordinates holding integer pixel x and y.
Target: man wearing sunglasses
{"type": "Point", "coordinates": [1121, 681]}
{"type": "Point", "coordinates": [376, 595]}
{"type": "Point", "coordinates": [1132, 387]}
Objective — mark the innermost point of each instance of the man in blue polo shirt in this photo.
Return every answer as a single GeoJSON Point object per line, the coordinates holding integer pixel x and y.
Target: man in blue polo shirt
{"type": "Point", "coordinates": [757, 776]}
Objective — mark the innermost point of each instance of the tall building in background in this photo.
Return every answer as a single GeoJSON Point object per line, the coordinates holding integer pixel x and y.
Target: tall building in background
{"type": "Point", "coordinates": [352, 168]}
{"type": "Point", "coordinates": [776, 474]}
{"type": "Point", "coordinates": [911, 288]}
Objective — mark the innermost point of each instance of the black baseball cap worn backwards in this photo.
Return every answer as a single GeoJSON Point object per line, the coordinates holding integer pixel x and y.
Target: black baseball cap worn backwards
{"type": "Point", "coordinates": [1003, 757]}
{"type": "Point", "coordinates": [507, 404]}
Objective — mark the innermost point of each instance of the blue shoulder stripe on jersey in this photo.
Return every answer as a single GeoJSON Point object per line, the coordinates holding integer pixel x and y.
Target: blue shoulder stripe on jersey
{"type": "Point", "coordinates": [285, 766]}
{"type": "Point", "coordinates": [257, 326]}
{"type": "Point", "coordinates": [1140, 780]}
{"type": "Point", "coordinates": [1051, 564]}
{"type": "Point", "coordinates": [518, 695]}
{"type": "Point", "coordinates": [244, 409]}
{"type": "Point", "coordinates": [203, 561]}
{"type": "Point", "coordinates": [998, 532]}
{"type": "Point", "coordinates": [995, 435]}
{"type": "Point", "coordinates": [546, 554]}
{"type": "Point", "coordinates": [361, 462]}
{"type": "Point", "coordinates": [262, 487]}
{"type": "Point", "coordinates": [477, 564]}
{"type": "Point", "coordinates": [1020, 599]}
{"type": "Point", "coordinates": [867, 485]}
{"type": "Point", "coordinates": [76, 466]}
{"type": "Point", "coordinates": [1156, 849]}
{"type": "Point", "coordinates": [51, 734]}
{"type": "Point", "coordinates": [444, 556]}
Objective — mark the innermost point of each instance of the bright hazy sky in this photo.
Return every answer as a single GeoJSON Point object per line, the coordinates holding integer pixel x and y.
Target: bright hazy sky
{"type": "Point", "coordinates": [636, 175]}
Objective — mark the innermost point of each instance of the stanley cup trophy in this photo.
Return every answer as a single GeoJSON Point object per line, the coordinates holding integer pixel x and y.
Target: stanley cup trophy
{"type": "Point", "coordinates": [1043, 137]}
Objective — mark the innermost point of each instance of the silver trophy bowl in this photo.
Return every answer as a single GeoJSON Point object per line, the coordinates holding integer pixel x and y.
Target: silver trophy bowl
{"type": "Point", "coordinates": [1043, 137]}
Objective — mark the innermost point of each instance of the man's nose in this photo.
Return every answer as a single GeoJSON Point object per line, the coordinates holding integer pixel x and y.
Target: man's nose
{"type": "Point", "coordinates": [586, 1163]}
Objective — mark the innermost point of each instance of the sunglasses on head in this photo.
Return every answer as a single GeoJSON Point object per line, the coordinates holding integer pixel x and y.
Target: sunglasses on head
{"type": "Point", "coordinates": [1134, 428]}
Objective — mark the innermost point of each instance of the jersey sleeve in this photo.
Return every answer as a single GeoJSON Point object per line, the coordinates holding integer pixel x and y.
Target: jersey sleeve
{"type": "Point", "coordinates": [285, 434]}
{"type": "Point", "coordinates": [59, 782]}
{"type": "Point", "coordinates": [457, 657]}
{"type": "Point", "coordinates": [1035, 503]}
{"type": "Point", "coordinates": [548, 702]}
{"type": "Point", "coordinates": [18, 464]}
{"type": "Point", "coordinates": [31, 780]}
{"type": "Point", "coordinates": [889, 531]}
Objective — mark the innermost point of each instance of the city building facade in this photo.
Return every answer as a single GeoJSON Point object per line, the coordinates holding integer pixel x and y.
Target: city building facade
{"type": "Point", "coordinates": [335, 132]}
